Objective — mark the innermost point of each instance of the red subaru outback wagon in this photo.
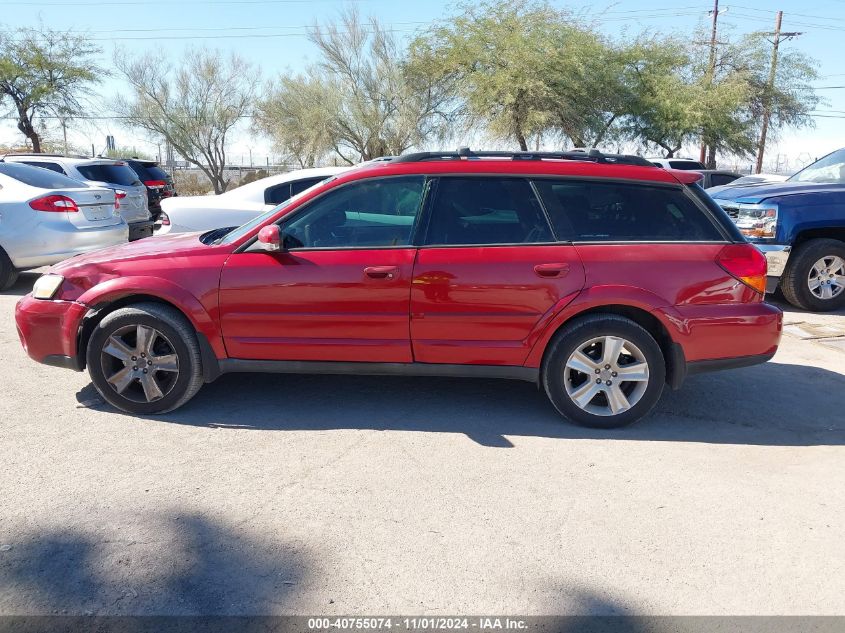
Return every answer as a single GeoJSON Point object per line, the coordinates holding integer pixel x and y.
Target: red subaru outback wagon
{"type": "Point", "coordinates": [596, 276]}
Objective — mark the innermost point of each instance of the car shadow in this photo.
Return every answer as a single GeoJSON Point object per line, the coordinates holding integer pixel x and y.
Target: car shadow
{"type": "Point", "coordinates": [771, 404]}
{"type": "Point", "coordinates": [195, 565]}
{"type": "Point", "coordinates": [22, 286]}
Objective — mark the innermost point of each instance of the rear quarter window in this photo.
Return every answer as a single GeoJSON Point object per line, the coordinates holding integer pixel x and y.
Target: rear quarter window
{"type": "Point", "coordinates": [114, 174]}
{"type": "Point", "coordinates": [621, 212]}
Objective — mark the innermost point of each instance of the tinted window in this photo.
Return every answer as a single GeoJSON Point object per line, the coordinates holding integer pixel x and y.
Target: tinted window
{"type": "Point", "coordinates": [486, 211]}
{"type": "Point", "coordinates": [366, 213]}
{"type": "Point", "coordinates": [148, 171]}
{"type": "Point", "coordinates": [114, 174]}
{"type": "Point", "coordinates": [685, 164]}
{"type": "Point", "coordinates": [277, 194]}
{"type": "Point", "coordinates": [51, 166]}
{"type": "Point", "coordinates": [298, 186]}
{"type": "Point", "coordinates": [38, 177]}
{"type": "Point", "coordinates": [721, 179]}
{"type": "Point", "coordinates": [596, 211]}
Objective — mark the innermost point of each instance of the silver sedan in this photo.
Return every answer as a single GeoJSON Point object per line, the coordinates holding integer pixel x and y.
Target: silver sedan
{"type": "Point", "coordinates": [46, 217]}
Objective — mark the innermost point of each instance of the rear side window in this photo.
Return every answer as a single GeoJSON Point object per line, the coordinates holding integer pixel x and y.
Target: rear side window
{"type": "Point", "coordinates": [114, 174]}
{"type": "Point", "coordinates": [51, 166]}
{"type": "Point", "coordinates": [486, 210]}
{"type": "Point", "coordinates": [39, 177]}
{"type": "Point", "coordinates": [619, 212]}
{"type": "Point", "coordinates": [277, 194]}
{"type": "Point", "coordinates": [721, 179]}
{"type": "Point", "coordinates": [685, 164]}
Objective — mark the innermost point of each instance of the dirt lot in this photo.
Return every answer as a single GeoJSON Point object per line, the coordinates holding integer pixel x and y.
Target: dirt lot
{"type": "Point", "coordinates": [287, 494]}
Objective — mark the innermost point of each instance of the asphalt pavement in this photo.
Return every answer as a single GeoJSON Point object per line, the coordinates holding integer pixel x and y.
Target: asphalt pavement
{"type": "Point", "coordinates": [272, 494]}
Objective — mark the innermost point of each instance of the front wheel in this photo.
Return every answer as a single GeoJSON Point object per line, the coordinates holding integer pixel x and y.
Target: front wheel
{"type": "Point", "coordinates": [604, 371]}
{"type": "Point", "coordinates": [145, 359]}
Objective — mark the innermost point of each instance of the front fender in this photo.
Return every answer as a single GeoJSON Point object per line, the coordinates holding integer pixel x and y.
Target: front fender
{"type": "Point", "coordinates": [165, 290]}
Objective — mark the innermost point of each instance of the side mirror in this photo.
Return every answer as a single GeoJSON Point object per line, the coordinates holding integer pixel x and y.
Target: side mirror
{"type": "Point", "coordinates": [270, 238]}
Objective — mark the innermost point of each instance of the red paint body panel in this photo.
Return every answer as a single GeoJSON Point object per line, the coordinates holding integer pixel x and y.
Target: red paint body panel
{"type": "Point", "coordinates": [480, 305]}
{"type": "Point", "coordinates": [48, 328]}
{"type": "Point", "coordinates": [318, 305]}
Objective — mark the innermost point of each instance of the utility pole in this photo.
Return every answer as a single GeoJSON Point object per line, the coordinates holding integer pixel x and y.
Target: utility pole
{"type": "Point", "coordinates": [64, 133]}
{"type": "Point", "coordinates": [711, 68]}
{"type": "Point", "coordinates": [767, 102]}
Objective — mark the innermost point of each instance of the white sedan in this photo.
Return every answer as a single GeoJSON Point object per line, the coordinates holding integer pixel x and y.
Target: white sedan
{"type": "Point", "coordinates": [184, 214]}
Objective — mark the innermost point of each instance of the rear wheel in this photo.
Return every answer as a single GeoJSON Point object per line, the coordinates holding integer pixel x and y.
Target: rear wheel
{"type": "Point", "coordinates": [814, 278]}
{"type": "Point", "coordinates": [604, 371]}
{"type": "Point", "coordinates": [145, 359]}
{"type": "Point", "coordinates": [8, 274]}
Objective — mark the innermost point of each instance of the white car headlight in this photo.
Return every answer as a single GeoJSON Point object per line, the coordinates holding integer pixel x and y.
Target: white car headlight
{"type": "Point", "coordinates": [46, 286]}
{"type": "Point", "coordinates": [758, 220]}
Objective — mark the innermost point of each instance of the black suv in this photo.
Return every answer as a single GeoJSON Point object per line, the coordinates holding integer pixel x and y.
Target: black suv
{"type": "Point", "coordinates": [158, 182]}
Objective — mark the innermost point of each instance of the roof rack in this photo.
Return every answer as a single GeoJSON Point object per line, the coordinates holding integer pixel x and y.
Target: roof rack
{"type": "Point", "coordinates": [591, 155]}
{"type": "Point", "coordinates": [44, 155]}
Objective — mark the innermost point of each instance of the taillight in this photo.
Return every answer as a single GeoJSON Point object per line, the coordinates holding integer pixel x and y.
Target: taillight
{"type": "Point", "coordinates": [746, 263]}
{"type": "Point", "coordinates": [155, 184]}
{"type": "Point", "coordinates": [118, 196]}
{"type": "Point", "coordinates": [163, 219]}
{"type": "Point", "coordinates": [54, 204]}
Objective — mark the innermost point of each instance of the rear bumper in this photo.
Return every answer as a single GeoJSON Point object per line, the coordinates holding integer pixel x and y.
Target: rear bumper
{"type": "Point", "coordinates": [48, 330]}
{"type": "Point", "coordinates": [138, 230]}
{"type": "Point", "coordinates": [724, 333]}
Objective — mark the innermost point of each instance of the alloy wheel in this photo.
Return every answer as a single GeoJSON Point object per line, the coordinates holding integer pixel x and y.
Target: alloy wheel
{"type": "Point", "coordinates": [826, 279]}
{"type": "Point", "coordinates": [606, 375]}
{"type": "Point", "coordinates": [140, 363]}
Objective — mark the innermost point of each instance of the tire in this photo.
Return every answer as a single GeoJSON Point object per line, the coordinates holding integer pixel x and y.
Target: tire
{"type": "Point", "coordinates": [803, 270]}
{"type": "Point", "coordinates": [597, 411]}
{"type": "Point", "coordinates": [174, 344]}
{"type": "Point", "coordinates": [8, 274]}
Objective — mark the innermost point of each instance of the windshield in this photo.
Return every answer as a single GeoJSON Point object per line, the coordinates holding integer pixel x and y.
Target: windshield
{"type": "Point", "coordinates": [238, 233]}
{"type": "Point", "coordinates": [828, 170]}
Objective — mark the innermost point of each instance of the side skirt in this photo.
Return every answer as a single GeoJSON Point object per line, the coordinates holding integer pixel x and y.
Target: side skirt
{"type": "Point", "coordinates": [232, 365]}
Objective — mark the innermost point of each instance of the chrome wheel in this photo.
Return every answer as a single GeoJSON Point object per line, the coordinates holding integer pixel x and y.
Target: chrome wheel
{"type": "Point", "coordinates": [827, 277]}
{"type": "Point", "coordinates": [606, 375]}
{"type": "Point", "coordinates": [140, 363]}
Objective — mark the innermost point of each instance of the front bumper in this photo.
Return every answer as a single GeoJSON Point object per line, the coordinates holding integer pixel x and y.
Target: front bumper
{"type": "Point", "coordinates": [48, 330]}
{"type": "Point", "coordinates": [138, 230]}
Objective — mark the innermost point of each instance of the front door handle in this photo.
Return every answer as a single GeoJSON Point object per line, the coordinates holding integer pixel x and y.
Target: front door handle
{"type": "Point", "coordinates": [551, 270]}
{"type": "Point", "coordinates": [381, 272]}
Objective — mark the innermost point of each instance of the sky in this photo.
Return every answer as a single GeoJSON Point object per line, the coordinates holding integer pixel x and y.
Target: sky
{"type": "Point", "coordinates": [272, 35]}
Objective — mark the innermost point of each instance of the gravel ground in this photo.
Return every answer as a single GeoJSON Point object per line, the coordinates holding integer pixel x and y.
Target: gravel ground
{"type": "Point", "coordinates": [323, 495]}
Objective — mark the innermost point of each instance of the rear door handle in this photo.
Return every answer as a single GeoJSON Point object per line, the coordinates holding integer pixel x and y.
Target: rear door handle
{"type": "Point", "coordinates": [381, 272]}
{"type": "Point", "coordinates": [551, 270]}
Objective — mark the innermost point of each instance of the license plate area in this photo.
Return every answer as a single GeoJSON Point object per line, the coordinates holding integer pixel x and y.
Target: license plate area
{"type": "Point", "coordinates": [98, 211]}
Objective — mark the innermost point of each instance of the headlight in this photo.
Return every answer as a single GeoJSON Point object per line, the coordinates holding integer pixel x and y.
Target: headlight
{"type": "Point", "coordinates": [46, 286]}
{"type": "Point", "coordinates": [757, 220]}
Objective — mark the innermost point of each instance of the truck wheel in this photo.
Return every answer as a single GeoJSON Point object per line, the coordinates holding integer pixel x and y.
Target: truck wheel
{"type": "Point", "coordinates": [814, 278]}
{"type": "Point", "coordinates": [604, 371]}
{"type": "Point", "coordinates": [8, 274]}
{"type": "Point", "coordinates": [145, 359]}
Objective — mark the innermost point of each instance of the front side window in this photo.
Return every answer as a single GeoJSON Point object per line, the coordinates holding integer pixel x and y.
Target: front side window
{"type": "Point", "coordinates": [486, 210]}
{"type": "Point", "coordinates": [619, 212]}
{"type": "Point", "coordinates": [368, 213]}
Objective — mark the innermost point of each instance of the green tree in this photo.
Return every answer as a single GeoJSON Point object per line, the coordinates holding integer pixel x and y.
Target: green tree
{"type": "Point", "coordinates": [497, 57]}
{"type": "Point", "coordinates": [46, 73]}
{"type": "Point", "coordinates": [194, 106]}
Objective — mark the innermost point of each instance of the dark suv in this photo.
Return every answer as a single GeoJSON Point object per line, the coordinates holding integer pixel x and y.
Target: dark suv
{"type": "Point", "coordinates": [595, 279]}
{"type": "Point", "coordinates": [158, 182]}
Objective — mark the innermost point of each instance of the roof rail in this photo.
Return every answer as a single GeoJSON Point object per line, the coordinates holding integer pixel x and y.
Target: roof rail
{"type": "Point", "coordinates": [591, 155]}
{"type": "Point", "coordinates": [45, 155]}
